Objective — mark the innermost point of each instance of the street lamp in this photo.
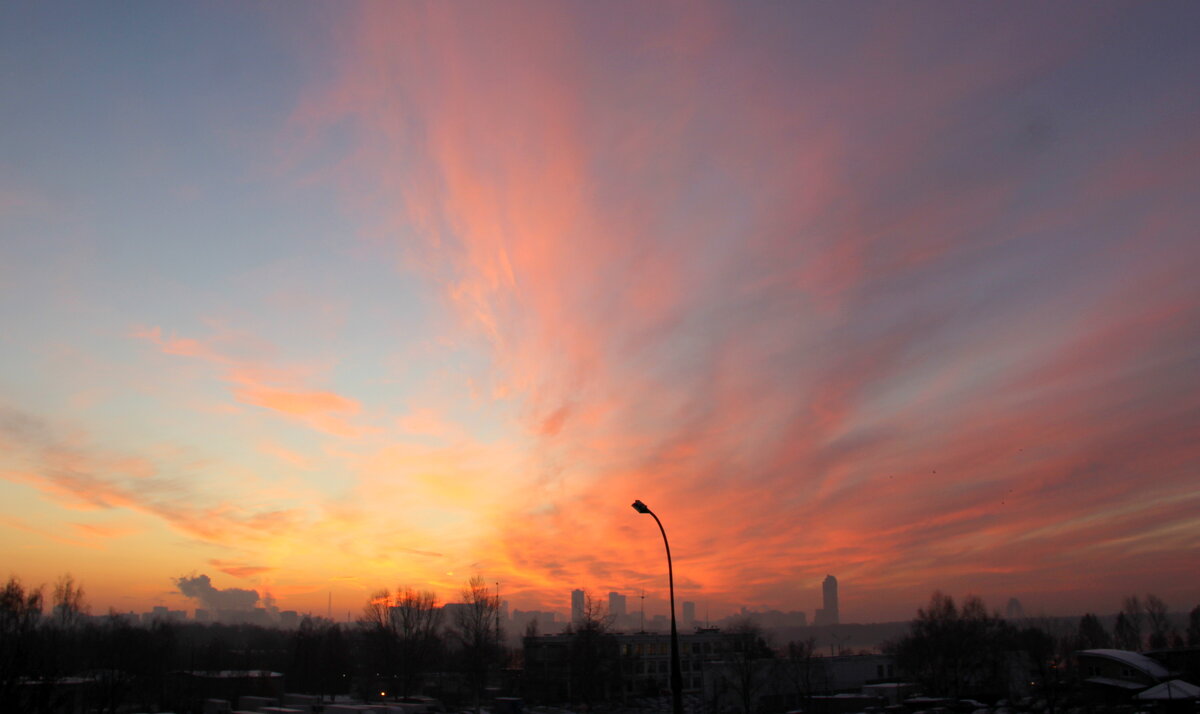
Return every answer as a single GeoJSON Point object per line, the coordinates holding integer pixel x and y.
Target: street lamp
{"type": "Point", "coordinates": [676, 673]}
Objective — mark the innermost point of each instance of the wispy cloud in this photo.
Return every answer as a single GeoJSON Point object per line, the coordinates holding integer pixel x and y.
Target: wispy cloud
{"type": "Point", "coordinates": [822, 334]}
{"type": "Point", "coordinates": [903, 295]}
{"type": "Point", "coordinates": [258, 383]}
{"type": "Point", "coordinates": [239, 570]}
{"type": "Point", "coordinates": [77, 476]}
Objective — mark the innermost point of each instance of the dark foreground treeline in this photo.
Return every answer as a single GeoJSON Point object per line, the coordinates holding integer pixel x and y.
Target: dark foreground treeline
{"type": "Point", "coordinates": [962, 650]}
{"type": "Point", "coordinates": [55, 658]}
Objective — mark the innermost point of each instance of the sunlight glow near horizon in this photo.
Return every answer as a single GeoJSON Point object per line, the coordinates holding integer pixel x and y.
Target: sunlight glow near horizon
{"type": "Point", "coordinates": [328, 299]}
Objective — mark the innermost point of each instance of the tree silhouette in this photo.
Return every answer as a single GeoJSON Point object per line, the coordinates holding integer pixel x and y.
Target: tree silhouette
{"type": "Point", "coordinates": [1128, 630]}
{"type": "Point", "coordinates": [802, 671]}
{"type": "Point", "coordinates": [377, 636]}
{"type": "Point", "coordinates": [477, 631]}
{"type": "Point", "coordinates": [743, 676]}
{"type": "Point", "coordinates": [69, 603]}
{"type": "Point", "coordinates": [20, 611]}
{"type": "Point", "coordinates": [1193, 629]}
{"type": "Point", "coordinates": [593, 654]}
{"type": "Point", "coordinates": [416, 619]}
{"type": "Point", "coordinates": [955, 653]}
{"type": "Point", "coordinates": [1159, 621]}
{"type": "Point", "coordinates": [1126, 634]}
{"type": "Point", "coordinates": [1092, 635]}
{"type": "Point", "coordinates": [320, 660]}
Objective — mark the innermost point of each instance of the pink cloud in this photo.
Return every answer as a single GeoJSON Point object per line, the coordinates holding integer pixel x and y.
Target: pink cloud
{"type": "Point", "coordinates": [99, 530]}
{"type": "Point", "coordinates": [239, 570]}
{"type": "Point", "coordinates": [78, 476]}
{"type": "Point", "coordinates": [818, 312]}
{"type": "Point", "coordinates": [259, 383]}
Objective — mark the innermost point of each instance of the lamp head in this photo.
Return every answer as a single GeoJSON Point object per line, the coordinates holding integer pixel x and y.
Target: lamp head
{"type": "Point", "coordinates": [640, 507]}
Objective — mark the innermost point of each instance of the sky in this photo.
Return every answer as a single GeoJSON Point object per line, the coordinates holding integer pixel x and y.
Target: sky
{"type": "Point", "coordinates": [316, 299]}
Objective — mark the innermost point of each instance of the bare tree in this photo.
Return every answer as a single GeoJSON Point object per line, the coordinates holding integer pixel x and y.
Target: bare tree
{"type": "Point", "coordinates": [802, 669]}
{"type": "Point", "coordinates": [320, 660]}
{"type": "Point", "coordinates": [478, 633]}
{"type": "Point", "coordinates": [594, 654]}
{"type": "Point", "coordinates": [69, 604]}
{"type": "Point", "coordinates": [743, 671]}
{"type": "Point", "coordinates": [20, 611]}
{"type": "Point", "coordinates": [416, 620]}
{"type": "Point", "coordinates": [401, 634]}
{"type": "Point", "coordinates": [956, 652]}
{"type": "Point", "coordinates": [379, 643]}
{"type": "Point", "coordinates": [1193, 629]}
{"type": "Point", "coordinates": [1092, 635]}
{"type": "Point", "coordinates": [1159, 621]}
{"type": "Point", "coordinates": [1128, 630]}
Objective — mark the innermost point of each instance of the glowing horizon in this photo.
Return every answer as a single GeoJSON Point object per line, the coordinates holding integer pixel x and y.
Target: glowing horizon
{"type": "Point", "coordinates": [337, 298]}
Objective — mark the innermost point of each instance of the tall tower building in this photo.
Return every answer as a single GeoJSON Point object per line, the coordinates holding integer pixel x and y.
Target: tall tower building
{"type": "Point", "coordinates": [829, 590]}
{"type": "Point", "coordinates": [689, 613]}
{"type": "Point", "coordinates": [616, 605]}
{"type": "Point", "coordinates": [576, 606]}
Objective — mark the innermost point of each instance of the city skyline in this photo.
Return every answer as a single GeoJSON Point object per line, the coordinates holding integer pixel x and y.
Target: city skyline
{"type": "Point", "coordinates": [319, 299]}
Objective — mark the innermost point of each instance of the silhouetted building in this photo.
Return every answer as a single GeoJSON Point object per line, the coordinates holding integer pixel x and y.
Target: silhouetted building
{"type": "Point", "coordinates": [689, 614]}
{"type": "Point", "coordinates": [161, 614]}
{"type": "Point", "coordinates": [543, 622]}
{"type": "Point", "coordinates": [1111, 676]}
{"type": "Point", "coordinates": [616, 605]}
{"type": "Point", "coordinates": [828, 615]}
{"type": "Point", "coordinates": [577, 604]}
{"type": "Point", "coordinates": [451, 610]}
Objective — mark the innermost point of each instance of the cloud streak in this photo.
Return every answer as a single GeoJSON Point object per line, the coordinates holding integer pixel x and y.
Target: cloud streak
{"type": "Point", "coordinates": [903, 295]}
{"type": "Point", "coordinates": [822, 335]}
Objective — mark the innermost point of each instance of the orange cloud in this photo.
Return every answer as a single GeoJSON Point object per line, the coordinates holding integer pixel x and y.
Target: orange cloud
{"type": "Point", "coordinates": [77, 476]}
{"type": "Point", "coordinates": [296, 403]}
{"type": "Point", "coordinates": [261, 385]}
{"type": "Point", "coordinates": [239, 570]}
{"type": "Point", "coordinates": [97, 530]}
{"type": "Point", "coordinates": [822, 322]}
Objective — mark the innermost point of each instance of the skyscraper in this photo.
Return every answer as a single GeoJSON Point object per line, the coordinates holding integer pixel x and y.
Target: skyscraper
{"type": "Point", "coordinates": [829, 590]}
{"type": "Point", "coordinates": [576, 606]}
{"type": "Point", "coordinates": [689, 613]}
{"type": "Point", "coordinates": [616, 605]}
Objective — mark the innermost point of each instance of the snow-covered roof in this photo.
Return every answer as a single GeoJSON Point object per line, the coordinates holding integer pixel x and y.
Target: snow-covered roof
{"type": "Point", "coordinates": [1136, 660]}
{"type": "Point", "coordinates": [1174, 689]}
{"type": "Point", "coordinates": [1110, 682]}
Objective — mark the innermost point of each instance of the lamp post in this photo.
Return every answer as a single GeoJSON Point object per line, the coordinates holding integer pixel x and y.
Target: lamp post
{"type": "Point", "coordinates": [676, 673]}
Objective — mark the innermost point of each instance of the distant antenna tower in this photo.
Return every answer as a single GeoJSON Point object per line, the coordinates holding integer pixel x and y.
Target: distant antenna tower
{"type": "Point", "coordinates": [643, 596]}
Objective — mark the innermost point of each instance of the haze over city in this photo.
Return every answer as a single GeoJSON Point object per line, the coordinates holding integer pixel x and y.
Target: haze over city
{"type": "Point", "coordinates": [314, 299]}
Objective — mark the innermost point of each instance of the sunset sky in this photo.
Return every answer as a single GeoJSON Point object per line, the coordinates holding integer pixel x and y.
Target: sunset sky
{"type": "Point", "coordinates": [327, 297]}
